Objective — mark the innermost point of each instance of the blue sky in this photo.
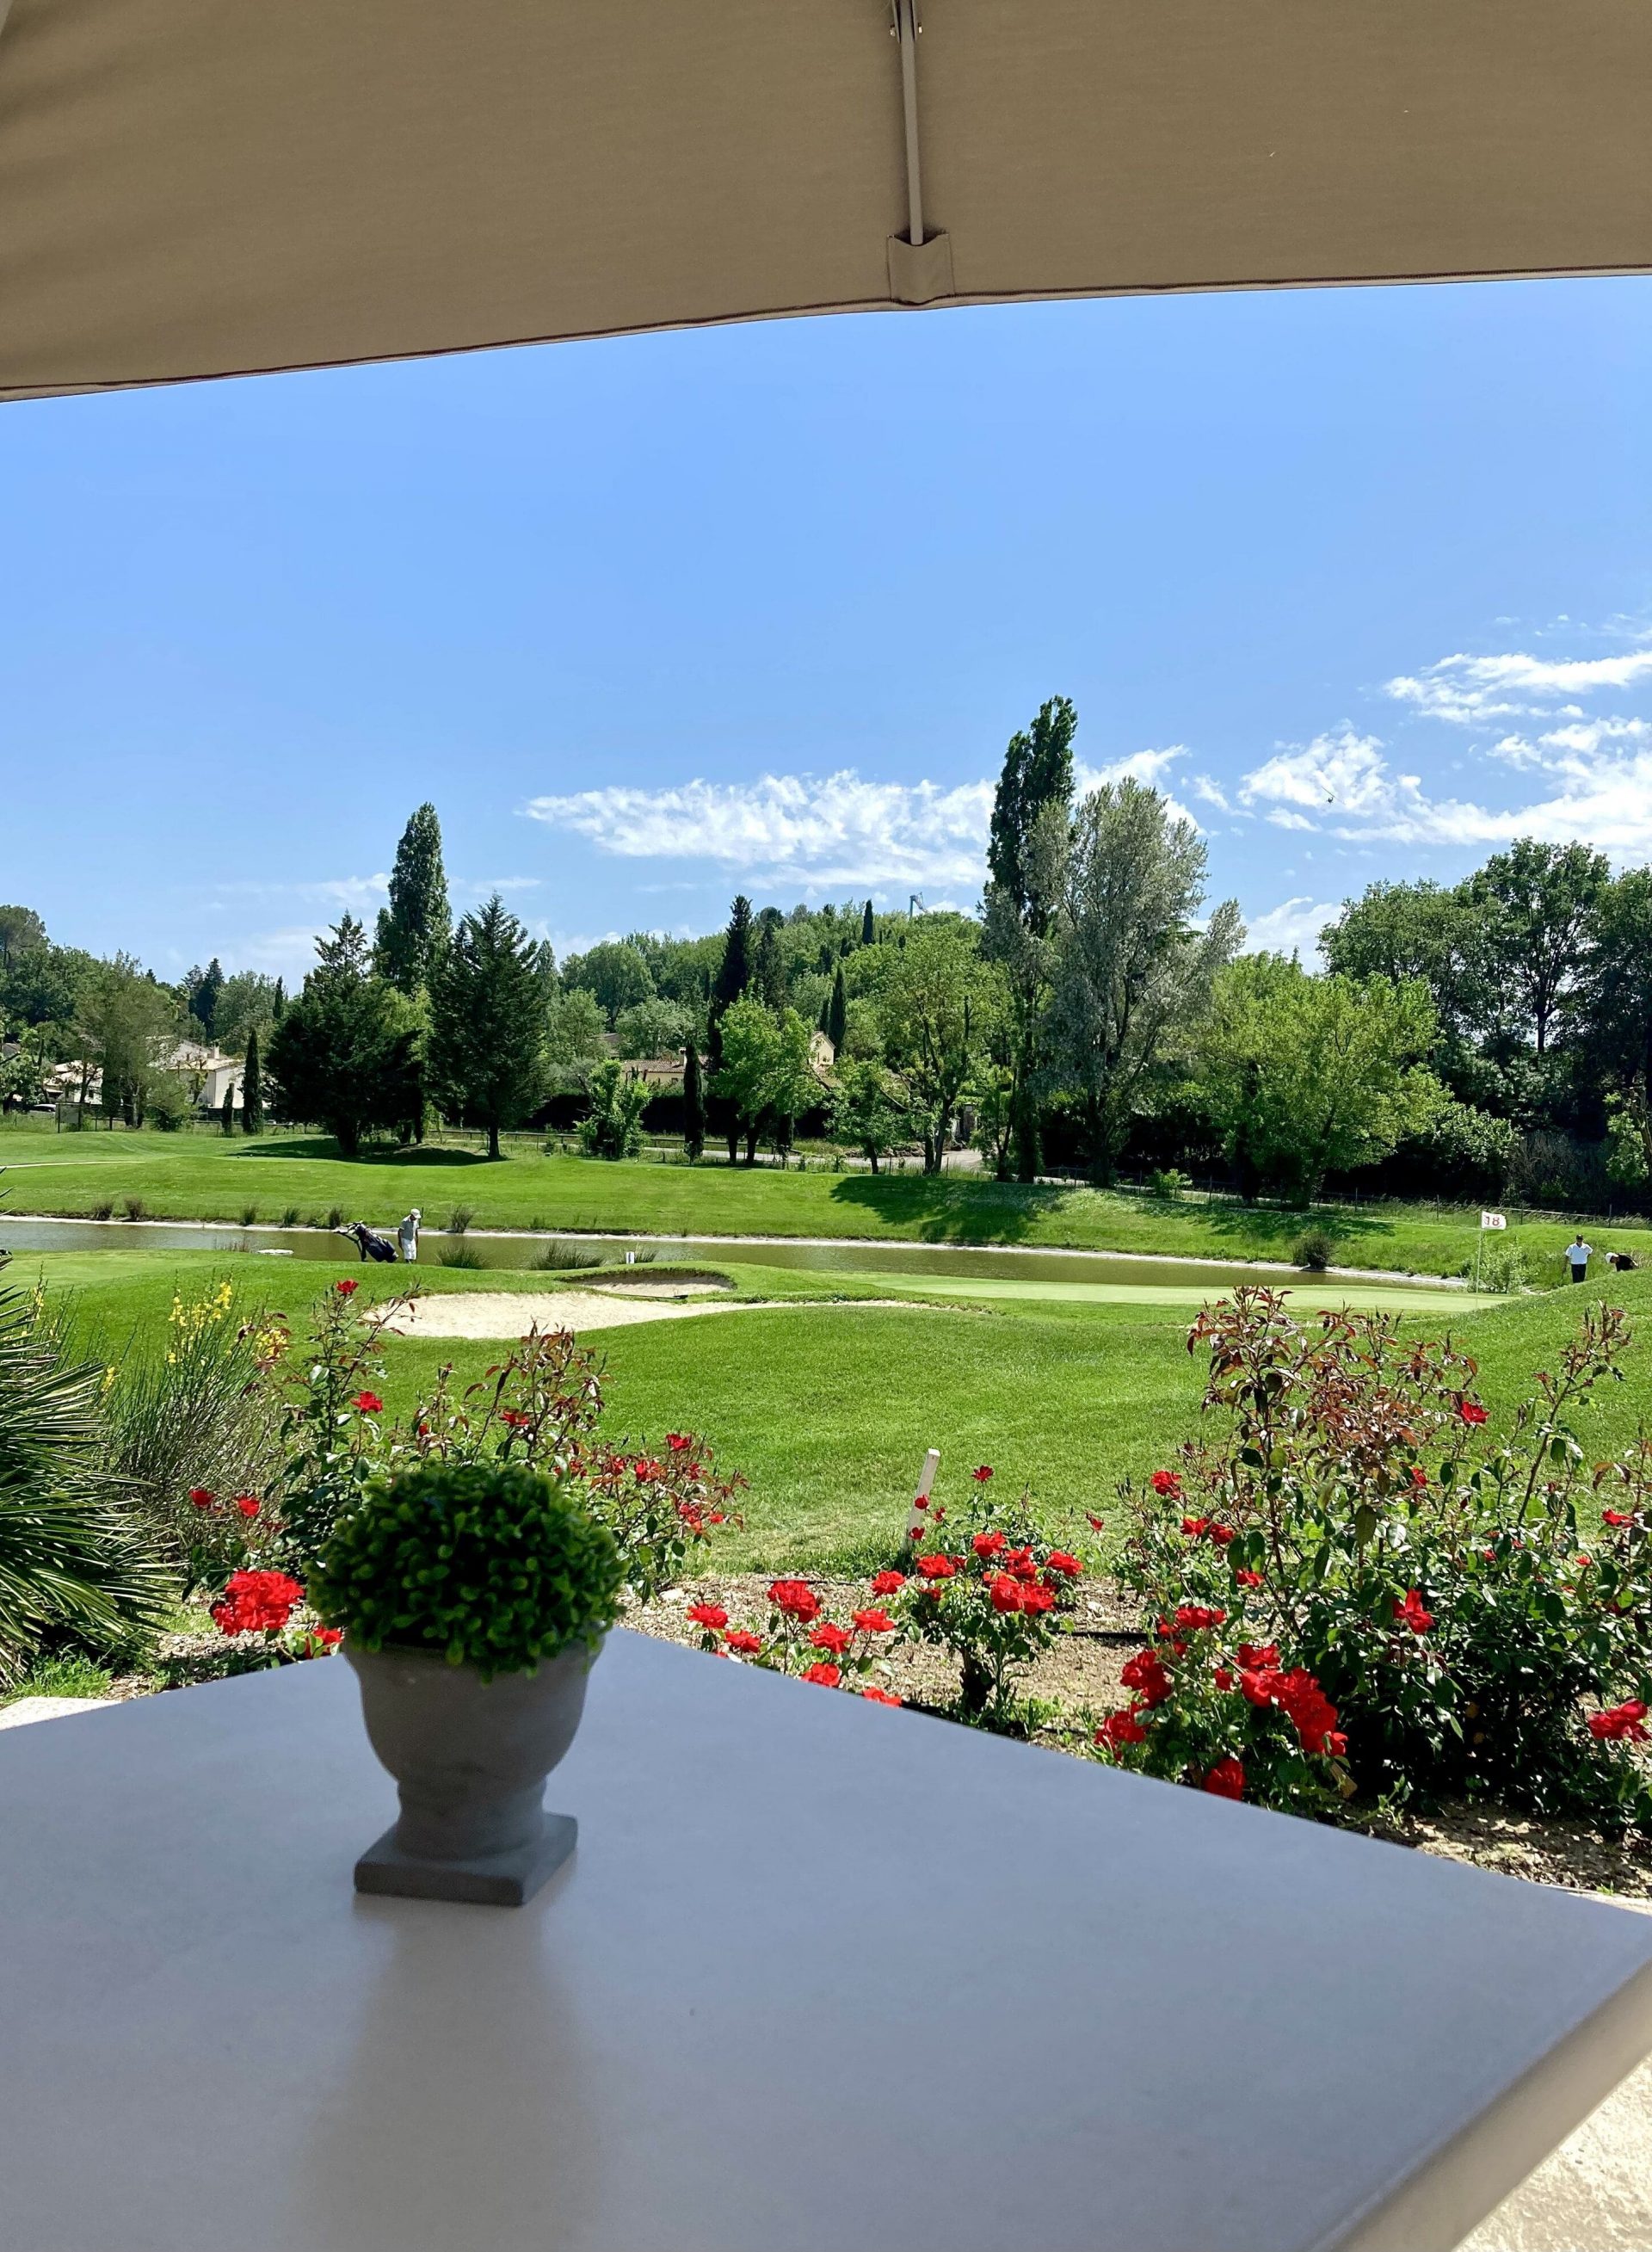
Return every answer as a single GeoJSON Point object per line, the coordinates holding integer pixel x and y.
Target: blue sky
{"type": "Point", "coordinates": [1361, 578]}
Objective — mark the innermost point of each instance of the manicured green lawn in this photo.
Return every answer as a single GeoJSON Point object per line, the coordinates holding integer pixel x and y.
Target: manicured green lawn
{"type": "Point", "coordinates": [212, 1177]}
{"type": "Point", "coordinates": [828, 1409]}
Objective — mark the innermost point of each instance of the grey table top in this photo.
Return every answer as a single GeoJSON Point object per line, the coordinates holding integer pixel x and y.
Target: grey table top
{"type": "Point", "coordinates": [820, 1973]}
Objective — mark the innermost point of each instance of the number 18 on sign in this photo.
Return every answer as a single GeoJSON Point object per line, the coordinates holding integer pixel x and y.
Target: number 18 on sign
{"type": "Point", "coordinates": [1494, 1220]}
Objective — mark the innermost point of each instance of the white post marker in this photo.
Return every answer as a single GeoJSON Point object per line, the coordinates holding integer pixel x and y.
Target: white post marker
{"type": "Point", "coordinates": [1490, 1220]}
{"type": "Point", "coordinates": [919, 1513]}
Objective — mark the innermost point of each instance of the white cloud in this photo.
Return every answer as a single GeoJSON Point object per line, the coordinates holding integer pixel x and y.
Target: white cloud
{"type": "Point", "coordinates": [1292, 928]}
{"type": "Point", "coordinates": [1469, 689]}
{"type": "Point", "coordinates": [813, 831]}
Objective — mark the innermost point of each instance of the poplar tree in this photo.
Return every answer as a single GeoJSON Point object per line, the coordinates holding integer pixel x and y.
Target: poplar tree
{"type": "Point", "coordinates": [487, 1022]}
{"type": "Point", "coordinates": [414, 929]}
{"type": "Point", "coordinates": [1034, 792]}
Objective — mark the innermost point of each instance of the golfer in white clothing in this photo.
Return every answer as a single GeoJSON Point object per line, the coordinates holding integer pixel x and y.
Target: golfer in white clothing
{"type": "Point", "coordinates": [407, 1237]}
{"type": "Point", "coordinates": [1578, 1254]}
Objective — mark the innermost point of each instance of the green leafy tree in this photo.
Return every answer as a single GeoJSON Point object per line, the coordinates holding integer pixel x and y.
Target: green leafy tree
{"type": "Point", "coordinates": [246, 1003]}
{"type": "Point", "coordinates": [487, 1022]}
{"type": "Point", "coordinates": [693, 1104]}
{"type": "Point", "coordinates": [252, 1088]}
{"type": "Point", "coordinates": [413, 928]}
{"type": "Point", "coordinates": [613, 1126]}
{"type": "Point", "coordinates": [575, 1028]}
{"type": "Point", "coordinates": [616, 971]}
{"type": "Point", "coordinates": [346, 1055]}
{"type": "Point", "coordinates": [1403, 931]}
{"type": "Point", "coordinates": [126, 1023]}
{"type": "Point", "coordinates": [1301, 1075]}
{"type": "Point", "coordinates": [938, 998]}
{"type": "Point", "coordinates": [766, 1076]}
{"type": "Point", "coordinates": [1618, 988]}
{"type": "Point", "coordinates": [21, 932]}
{"type": "Point", "coordinates": [867, 1109]}
{"type": "Point", "coordinates": [1538, 905]}
{"type": "Point", "coordinates": [652, 1028]}
{"type": "Point", "coordinates": [1029, 815]}
{"type": "Point", "coordinates": [1130, 974]}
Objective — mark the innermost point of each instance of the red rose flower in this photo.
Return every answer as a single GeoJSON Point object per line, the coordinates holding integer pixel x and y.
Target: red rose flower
{"type": "Point", "coordinates": [827, 1676]}
{"type": "Point", "coordinates": [1097, 1524]}
{"type": "Point", "coordinates": [888, 1583]}
{"type": "Point", "coordinates": [739, 1638]}
{"type": "Point", "coordinates": [202, 1497]}
{"type": "Point", "coordinates": [879, 1697]}
{"type": "Point", "coordinates": [369, 1403]}
{"type": "Point", "coordinates": [1193, 1526]}
{"type": "Point", "coordinates": [1224, 1678]}
{"type": "Point", "coordinates": [1418, 1477]}
{"type": "Point", "coordinates": [1623, 1724]}
{"type": "Point", "coordinates": [920, 1501]}
{"type": "Point", "coordinates": [711, 1617]}
{"type": "Point", "coordinates": [988, 1544]}
{"type": "Point", "coordinates": [1617, 1516]}
{"type": "Point", "coordinates": [1471, 1411]}
{"type": "Point", "coordinates": [1221, 1534]}
{"type": "Point", "coordinates": [323, 1640]}
{"type": "Point", "coordinates": [874, 1622]}
{"type": "Point", "coordinates": [1412, 1613]}
{"type": "Point", "coordinates": [937, 1566]}
{"type": "Point", "coordinates": [1197, 1618]}
{"type": "Point", "coordinates": [1036, 1597]}
{"type": "Point", "coordinates": [981, 1473]}
{"type": "Point", "coordinates": [347, 1288]}
{"type": "Point", "coordinates": [247, 1503]}
{"type": "Point", "coordinates": [678, 1442]}
{"type": "Point", "coordinates": [1167, 1484]}
{"type": "Point", "coordinates": [1255, 1654]}
{"type": "Point", "coordinates": [256, 1602]}
{"type": "Point", "coordinates": [1006, 1594]}
{"type": "Point", "coordinates": [1245, 1579]}
{"type": "Point", "coordinates": [1145, 1675]}
{"type": "Point", "coordinates": [1120, 1728]}
{"type": "Point", "coordinates": [796, 1599]}
{"type": "Point", "coordinates": [1225, 1779]}
{"type": "Point", "coordinates": [831, 1637]}
{"type": "Point", "coordinates": [1059, 1561]}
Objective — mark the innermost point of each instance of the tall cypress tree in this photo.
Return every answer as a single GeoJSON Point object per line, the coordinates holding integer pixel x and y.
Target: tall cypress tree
{"type": "Point", "coordinates": [252, 1088]}
{"type": "Point", "coordinates": [278, 1001]}
{"type": "Point", "coordinates": [414, 929]}
{"type": "Point", "coordinates": [733, 975]}
{"type": "Point", "coordinates": [693, 1103]}
{"type": "Point", "coordinates": [487, 1021]}
{"type": "Point", "coordinates": [868, 926]}
{"type": "Point", "coordinates": [226, 1111]}
{"type": "Point", "coordinates": [837, 1013]}
{"type": "Point", "coordinates": [769, 981]}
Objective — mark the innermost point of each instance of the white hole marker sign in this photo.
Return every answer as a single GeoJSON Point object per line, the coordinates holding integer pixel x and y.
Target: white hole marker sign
{"type": "Point", "coordinates": [1494, 1220]}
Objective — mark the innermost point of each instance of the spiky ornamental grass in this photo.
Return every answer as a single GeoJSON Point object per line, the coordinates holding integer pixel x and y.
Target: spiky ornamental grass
{"type": "Point", "coordinates": [73, 1557]}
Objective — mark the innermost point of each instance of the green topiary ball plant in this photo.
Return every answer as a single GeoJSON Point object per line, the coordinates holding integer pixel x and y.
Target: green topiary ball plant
{"type": "Point", "coordinates": [494, 1567]}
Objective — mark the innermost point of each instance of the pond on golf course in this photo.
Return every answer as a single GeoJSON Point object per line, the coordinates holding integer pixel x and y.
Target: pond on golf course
{"type": "Point", "coordinates": [1034, 1272]}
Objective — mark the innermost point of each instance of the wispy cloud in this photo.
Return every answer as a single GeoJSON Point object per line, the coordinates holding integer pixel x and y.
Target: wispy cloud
{"type": "Point", "coordinates": [815, 832]}
{"type": "Point", "coordinates": [1292, 928]}
{"type": "Point", "coordinates": [1467, 690]}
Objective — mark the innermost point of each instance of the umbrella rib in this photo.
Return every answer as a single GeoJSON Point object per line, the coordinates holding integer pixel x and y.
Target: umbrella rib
{"type": "Point", "coordinates": [906, 28]}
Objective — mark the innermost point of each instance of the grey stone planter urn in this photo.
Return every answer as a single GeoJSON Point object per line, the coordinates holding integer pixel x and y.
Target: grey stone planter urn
{"type": "Point", "coordinates": [470, 1759]}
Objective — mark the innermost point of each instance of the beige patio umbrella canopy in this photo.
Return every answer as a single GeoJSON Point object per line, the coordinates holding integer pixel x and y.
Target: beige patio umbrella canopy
{"type": "Point", "coordinates": [203, 187]}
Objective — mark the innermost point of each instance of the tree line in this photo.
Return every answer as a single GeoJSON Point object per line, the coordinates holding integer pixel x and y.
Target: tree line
{"type": "Point", "coordinates": [1098, 1011]}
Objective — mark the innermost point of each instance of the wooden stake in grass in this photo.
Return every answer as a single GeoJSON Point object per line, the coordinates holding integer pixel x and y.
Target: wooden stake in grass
{"type": "Point", "coordinates": [920, 1512]}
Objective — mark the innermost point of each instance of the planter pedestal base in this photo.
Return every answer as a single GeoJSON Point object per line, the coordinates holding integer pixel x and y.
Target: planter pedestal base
{"type": "Point", "coordinates": [491, 1881]}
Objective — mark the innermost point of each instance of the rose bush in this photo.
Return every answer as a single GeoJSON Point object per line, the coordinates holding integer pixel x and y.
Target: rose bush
{"type": "Point", "coordinates": [1470, 1616]}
